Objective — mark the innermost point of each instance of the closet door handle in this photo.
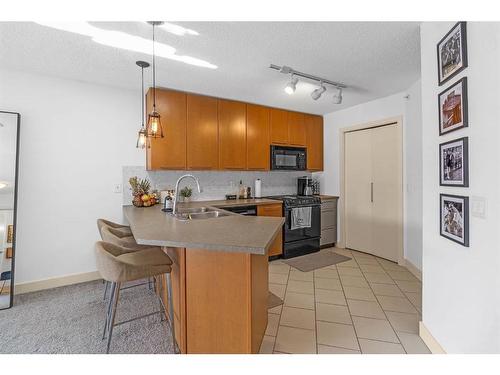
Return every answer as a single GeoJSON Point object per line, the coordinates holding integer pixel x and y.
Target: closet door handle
{"type": "Point", "coordinates": [371, 192]}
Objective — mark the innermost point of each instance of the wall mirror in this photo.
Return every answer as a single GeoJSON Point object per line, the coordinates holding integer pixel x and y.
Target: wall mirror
{"type": "Point", "coordinates": [9, 145]}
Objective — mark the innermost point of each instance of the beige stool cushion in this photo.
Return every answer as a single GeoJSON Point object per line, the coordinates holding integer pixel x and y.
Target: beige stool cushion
{"type": "Point", "coordinates": [114, 236]}
{"type": "Point", "coordinates": [116, 264]}
{"type": "Point", "coordinates": [123, 229]}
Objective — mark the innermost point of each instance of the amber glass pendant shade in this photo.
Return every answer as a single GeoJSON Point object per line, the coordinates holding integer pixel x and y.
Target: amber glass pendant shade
{"type": "Point", "coordinates": [154, 128]}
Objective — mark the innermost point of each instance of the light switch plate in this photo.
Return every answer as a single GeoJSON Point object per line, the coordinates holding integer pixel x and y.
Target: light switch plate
{"type": "Point", "coordinates": [478, 207]}
{"type": "Point", "coordinates": [117, 188]}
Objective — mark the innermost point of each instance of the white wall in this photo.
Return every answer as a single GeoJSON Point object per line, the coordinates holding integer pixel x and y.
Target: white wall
{"type": "Point", "coordinates": [75, 138]}
{"type": "Point", "coordinates": [461, 298]}
{"type": "Point", "coordinates": [390, 106]}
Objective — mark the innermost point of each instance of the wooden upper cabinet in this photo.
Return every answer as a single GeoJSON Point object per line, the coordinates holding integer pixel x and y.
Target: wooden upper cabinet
{"type": "Point", "coordinates": [202, 136]}
{"type": "Point", "coordinates": [279, 126]}
{"type": "Point", "coordinates": [168, 152]}
{"type": "Point", "coordinates": [258, 143]}
{"type": "Point", "coordinates": [232, 135]}
{"type": "Point", "coordinates": [314, 128]}
{"type": "Point", "coordinates": [296, 129]}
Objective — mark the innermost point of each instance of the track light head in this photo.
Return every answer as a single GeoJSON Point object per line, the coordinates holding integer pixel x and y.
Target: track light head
{"type": "Point", "coordinates": [291, 86]}
{"type": "Point", "coordinates": [337, 97]}
{"type": "Point", "coordinates": [316, 94]}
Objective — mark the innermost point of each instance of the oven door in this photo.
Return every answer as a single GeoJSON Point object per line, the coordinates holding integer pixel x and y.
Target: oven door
{"type": "Point", "coordinates": [314, 231]}
{"type": "Point", "coordinates": [288, 158]}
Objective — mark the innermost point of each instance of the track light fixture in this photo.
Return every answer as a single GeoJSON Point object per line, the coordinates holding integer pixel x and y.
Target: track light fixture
{"type": "Point", "coordinates": [317, 93]}
{"type": "Point", "coordinates": [337, 97]}
{"type": "Point", "coordinates": [291, 86]}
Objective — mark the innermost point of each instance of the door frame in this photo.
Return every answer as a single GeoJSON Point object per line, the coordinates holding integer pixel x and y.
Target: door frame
{"type": "Point", "coordinates": [398, 120]}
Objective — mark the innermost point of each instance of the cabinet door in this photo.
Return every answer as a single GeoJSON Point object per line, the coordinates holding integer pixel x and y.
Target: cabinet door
{"type": "Point", "coordinates": [168, 152]}
{"type": "Point", "coordinates": [258, 144]}
{"type": "Point", "coordinates": [275, 210]}
{"type": "Point", "coordinates": [202, 142]}
{"type": "Point", "coordinates": [296, 129]}
{"type": "Point", "coordinates": [279, 126]}
{"type": "Point", "coordinates": [314, 132]}
{"type": "Point", "coordinates": [232, 135]}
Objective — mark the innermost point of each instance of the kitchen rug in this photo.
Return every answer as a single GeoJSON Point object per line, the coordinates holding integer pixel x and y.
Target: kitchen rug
{"type": "Point", "coordinates": [273, 300]}
{"type": "Point", "coordinates": [314, 261]}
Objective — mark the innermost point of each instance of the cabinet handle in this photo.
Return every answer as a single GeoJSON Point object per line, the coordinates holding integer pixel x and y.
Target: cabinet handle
{"type": "Point", "coordinates": [371, 192]}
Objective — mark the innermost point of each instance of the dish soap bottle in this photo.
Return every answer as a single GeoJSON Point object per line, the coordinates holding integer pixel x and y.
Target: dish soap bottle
{"type": "Point", "coordinates": [241, 191]}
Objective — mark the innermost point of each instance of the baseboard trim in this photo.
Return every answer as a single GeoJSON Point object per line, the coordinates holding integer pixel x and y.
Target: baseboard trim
{"type": "Point", "coordinates": [429, 340]}
{"type": "Point", "coordinates": [55, 282]}
{"type": "Point", "coordinates": [413, 269]}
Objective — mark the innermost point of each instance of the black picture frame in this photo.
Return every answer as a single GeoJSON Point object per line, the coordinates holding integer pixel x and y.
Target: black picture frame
{"type": "Point", "coordinates": [16, 189]}
{"type": "Point", "coordinates": [464, 141]}
{"type": "Point", "coordinates": [464, 201]}
{"type": "Point", "coordinates": [464, 107]}
{"type": "Point", "coordinates": [462, 27]}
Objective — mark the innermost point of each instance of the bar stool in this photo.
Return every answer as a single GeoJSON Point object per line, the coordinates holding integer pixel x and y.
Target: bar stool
{"type": "Point", "coordinates": [124, 229]}
{"type": "Point", "coordinates": [118, 265]}
{"type": "Point", "coordinates": [127, 243]}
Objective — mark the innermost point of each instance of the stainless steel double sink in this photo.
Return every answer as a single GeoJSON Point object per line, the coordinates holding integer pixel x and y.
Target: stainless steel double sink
{"type": "Point", "coordinates": [198, 213]}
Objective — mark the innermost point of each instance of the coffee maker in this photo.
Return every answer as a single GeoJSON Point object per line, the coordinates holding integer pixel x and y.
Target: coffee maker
{"type": "Point", "coordinates": [304, 186]}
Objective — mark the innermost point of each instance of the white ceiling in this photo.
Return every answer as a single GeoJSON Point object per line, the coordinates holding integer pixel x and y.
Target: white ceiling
{"type": "Point", "coordinates": [374, 58]}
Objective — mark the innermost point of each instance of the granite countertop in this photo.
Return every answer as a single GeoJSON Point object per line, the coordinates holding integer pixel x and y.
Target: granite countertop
{"type": "Point", "coordinates": [232, 233]}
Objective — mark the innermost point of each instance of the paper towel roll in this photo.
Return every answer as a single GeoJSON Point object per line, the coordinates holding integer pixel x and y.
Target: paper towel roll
{"type": "Point", "coordinates": [258, 187]}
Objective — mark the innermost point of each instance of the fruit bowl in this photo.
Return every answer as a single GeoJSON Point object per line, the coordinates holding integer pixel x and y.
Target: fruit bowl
{"type": "Point", "coordinates": [140, 193]}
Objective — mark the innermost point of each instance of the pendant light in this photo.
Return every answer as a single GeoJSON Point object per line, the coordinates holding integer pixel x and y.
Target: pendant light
{"type": "Point", "coordinates": [154, 128]}
{"type": "Point", "coordinates": [141, 135]}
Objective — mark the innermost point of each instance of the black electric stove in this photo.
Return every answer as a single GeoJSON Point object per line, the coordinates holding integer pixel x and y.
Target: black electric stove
{"type": "Point", "coordinates": [300, 241]}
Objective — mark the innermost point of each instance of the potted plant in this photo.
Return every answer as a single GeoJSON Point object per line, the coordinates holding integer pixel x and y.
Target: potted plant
{"type": "Point", "coordinates": [186, 193]}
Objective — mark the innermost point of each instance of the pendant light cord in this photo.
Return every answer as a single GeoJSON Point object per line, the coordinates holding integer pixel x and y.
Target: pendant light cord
{"type": "Point", "coordinates": [154, 72]}
{"type": "Point", "coordinates": [142, 94]}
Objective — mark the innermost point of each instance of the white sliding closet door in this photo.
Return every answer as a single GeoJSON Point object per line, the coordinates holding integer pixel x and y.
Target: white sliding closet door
{"type": "Point", "coordinates": [358, 176]}
{"type": "Point", "coordinates": [387, 192]}
{"type": "Point", "coordinates": [373, 191]}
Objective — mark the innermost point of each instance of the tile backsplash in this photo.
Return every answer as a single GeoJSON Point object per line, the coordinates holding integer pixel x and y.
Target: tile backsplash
{"type": "Point", "coordinates": [215, 184]}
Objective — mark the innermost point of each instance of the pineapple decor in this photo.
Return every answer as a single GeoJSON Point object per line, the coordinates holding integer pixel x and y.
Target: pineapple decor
{"type": "Point", "coordinates": [140, 191]}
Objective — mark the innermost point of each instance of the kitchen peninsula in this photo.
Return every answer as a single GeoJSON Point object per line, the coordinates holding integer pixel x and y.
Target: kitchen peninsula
{"type": "Point", "coordinates": [219, 275]}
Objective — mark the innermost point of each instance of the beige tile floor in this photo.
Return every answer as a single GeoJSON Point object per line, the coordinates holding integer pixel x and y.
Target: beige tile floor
{"type": "Point", "coordinates": [365, 305]}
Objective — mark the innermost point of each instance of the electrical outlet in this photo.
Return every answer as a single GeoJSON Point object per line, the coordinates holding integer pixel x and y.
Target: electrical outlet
{"type": "Point", "coordinates": [118, 188]}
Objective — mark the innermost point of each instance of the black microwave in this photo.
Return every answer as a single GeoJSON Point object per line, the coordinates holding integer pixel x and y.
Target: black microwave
{"type": "Point", "coordinates": [288, 158]}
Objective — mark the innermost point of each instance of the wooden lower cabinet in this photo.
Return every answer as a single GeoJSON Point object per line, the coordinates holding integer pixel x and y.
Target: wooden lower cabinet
{"type": "Point", "coordinates": [220, 300]}
{"type": "Point", "coordinates": [275, 210]}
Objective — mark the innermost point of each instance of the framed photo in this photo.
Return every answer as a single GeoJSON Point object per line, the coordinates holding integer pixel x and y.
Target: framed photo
{"type": "Point", "coordinates": [452, 53]}
{"type": "Point", "coordinates": [454, 220]}
{"type": "Point", "coordinates": [454, 163]}
{"type": "Point", "coordinates": [10, 233]}
{"type": "Point", "coordinates": [452, 103]}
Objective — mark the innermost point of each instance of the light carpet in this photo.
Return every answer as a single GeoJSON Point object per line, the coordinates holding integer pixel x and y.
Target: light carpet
{"type": "Point", "coordinates": [70, 319]}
